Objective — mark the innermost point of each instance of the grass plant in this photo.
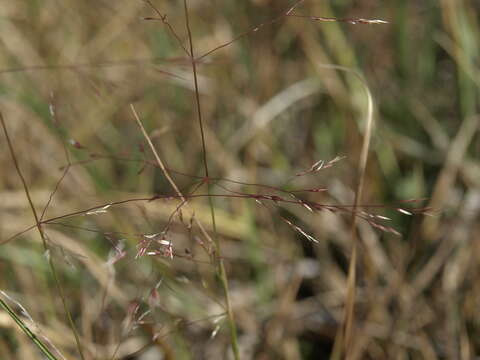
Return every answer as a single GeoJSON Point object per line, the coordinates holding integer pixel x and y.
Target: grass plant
{"type": "Point", "coordinates": [173, 149]}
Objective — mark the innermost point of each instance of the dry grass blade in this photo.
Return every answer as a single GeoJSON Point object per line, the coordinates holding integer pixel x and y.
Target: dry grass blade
{"type": "Point", "coordinates": [454, 159]}
{"type": "Point", "coordinates": [346, 337]}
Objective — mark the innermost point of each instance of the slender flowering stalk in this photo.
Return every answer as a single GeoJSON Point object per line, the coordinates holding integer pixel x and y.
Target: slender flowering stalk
{"type": "Point", "coordinates": [43, 236]}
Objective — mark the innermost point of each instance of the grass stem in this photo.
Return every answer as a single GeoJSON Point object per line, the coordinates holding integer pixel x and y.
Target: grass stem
{"type": "Point", "coordinates": [44, 239]}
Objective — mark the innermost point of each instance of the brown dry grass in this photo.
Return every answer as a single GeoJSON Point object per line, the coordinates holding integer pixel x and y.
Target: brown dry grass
{"type": "Point", "coordinates": [273, 103]}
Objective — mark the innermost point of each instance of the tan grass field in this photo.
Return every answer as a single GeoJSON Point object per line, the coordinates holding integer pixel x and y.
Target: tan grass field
{"type": "Point", "coordinates": [305, 185]}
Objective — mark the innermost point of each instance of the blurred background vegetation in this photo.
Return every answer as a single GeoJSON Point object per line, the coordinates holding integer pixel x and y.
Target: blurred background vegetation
{"type": "Point", "coordinates": [271, 107]}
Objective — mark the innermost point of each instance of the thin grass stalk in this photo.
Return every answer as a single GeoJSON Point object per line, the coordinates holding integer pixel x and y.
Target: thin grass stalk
{"type": "Point", "coordinates": [165, 171]}
{"type": "Point", "coordinates": [44, 239]}
{"type": "Point", "coordinates": [41, 346]}
{"type": "Point", "coordinates": [350, 303]}
{"type": "Point", "coordinates": [344, 339]}
{"type": "Point", "coordinates": [221, 272]}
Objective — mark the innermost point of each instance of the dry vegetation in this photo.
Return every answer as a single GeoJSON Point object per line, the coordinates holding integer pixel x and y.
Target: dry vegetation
{"type": "Point", "coordinates": [178, 213]}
